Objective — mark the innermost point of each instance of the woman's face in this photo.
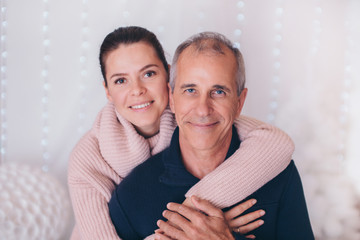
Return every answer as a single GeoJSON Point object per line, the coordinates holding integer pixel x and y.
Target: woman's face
{"type": "Point", "coordinates": [137, 85]}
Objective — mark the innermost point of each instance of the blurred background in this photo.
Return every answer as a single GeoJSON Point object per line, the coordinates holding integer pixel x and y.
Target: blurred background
{"type": "Point", "coordinates": [303, 74]}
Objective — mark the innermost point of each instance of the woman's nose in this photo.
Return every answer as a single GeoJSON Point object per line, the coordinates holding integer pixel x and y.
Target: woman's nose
{"type": "Point", "coordinates": [138, 88]}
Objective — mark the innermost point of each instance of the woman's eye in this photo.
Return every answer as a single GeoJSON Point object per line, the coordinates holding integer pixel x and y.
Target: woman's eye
{"type": "Point", "coordinates": [149, 74]}
{"type": "Point", "coordinates": [120, 81]}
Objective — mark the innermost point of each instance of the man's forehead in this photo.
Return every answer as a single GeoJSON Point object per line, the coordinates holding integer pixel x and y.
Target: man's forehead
{"type": "Point", "coordinates": [192, 52]}
{"type": "Point", "coordinates": [209, 48]}
{"type": "Point", "coordinates": [205, 63]}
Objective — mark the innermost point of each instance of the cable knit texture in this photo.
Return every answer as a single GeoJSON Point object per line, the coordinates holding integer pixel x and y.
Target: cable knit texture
{"type": "Point", "coordinates": [112, 148]}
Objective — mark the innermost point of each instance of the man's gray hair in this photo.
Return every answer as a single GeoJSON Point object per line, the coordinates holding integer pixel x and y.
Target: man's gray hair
{"type": "Point", "coordinates": [210, 42]}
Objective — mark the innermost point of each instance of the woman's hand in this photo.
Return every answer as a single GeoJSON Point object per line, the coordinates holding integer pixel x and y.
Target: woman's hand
{"type": "Point", "coordinates": [186, 223]}
{"type": "Point", "coordinates": [240, 224]}
{"type": "Point", "coordinates": [179, 226]}
{"type": "Point", "coordinates": [244, 224]}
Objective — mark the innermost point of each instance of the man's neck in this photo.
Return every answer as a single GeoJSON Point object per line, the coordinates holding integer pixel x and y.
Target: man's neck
{"type": "Point", "coordinates": [200, 162]}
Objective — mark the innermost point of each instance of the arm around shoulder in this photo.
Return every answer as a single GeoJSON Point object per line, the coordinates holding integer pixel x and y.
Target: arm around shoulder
{"type": "Point", "coordinates": [264, 152]}
{"type": "Point", "coordinates": [91, 182]}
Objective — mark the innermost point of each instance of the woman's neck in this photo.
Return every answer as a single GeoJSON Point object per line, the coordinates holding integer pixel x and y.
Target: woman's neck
{"type": "Point", "coordinates": [148, 131]}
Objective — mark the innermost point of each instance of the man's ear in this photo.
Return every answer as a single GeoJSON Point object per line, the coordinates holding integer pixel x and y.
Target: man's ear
{"type": "Point", "coordinates": [242, 98]}
{"type": "Point", "coordinates": [171, 99]}
{"type": "Point", "coordinates": [108, 96]}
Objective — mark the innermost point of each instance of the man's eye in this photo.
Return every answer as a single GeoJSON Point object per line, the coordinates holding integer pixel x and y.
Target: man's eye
{"type": "Point", "coordinates": [219, 92]}
{"type": "Point", "coordinates": [149, 74]}
{"type": "Point", "coordinates": [190, 90]}
{"type": "Point", "coordinates": [120, 81]}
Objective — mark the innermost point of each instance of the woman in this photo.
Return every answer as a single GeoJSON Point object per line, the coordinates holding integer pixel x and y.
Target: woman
{"type": "Point", "coordinates": [136, 124]}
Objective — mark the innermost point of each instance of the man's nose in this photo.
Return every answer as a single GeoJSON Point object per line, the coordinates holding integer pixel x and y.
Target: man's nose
{"type": "Point", "coordinates": [204, 106]}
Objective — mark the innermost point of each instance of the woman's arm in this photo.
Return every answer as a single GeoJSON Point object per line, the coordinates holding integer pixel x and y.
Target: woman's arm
{"type": "Point", "coordinates": [102, 157]}
{"type": "Point", "coordinates": [91, 182]}
{"type": "Point", "coordinates": [108, 151]}
{"type": "Point", "coordinates": [92, 218]}
{"type": "Point", "coordinates": [264, 152]}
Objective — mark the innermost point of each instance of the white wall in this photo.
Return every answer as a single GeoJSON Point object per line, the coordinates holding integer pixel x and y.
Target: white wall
{"type": "Point", "coordinates": [302, 60]}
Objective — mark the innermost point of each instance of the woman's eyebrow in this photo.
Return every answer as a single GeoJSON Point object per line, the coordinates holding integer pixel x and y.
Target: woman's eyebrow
{"type": "Point", "coordinates": [141, 69]}
{"type": "Point", "coordinates": [117, 75]}
{"type": "Point", "coordinates": [148, 66]}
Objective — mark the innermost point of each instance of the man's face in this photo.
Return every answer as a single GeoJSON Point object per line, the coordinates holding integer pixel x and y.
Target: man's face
{"type": "Point", "coordinates": [205, 100]}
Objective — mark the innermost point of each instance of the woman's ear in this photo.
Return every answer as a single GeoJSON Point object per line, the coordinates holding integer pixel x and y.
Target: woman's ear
{"type": "Point", "coordinates": [171, 99]}
{"type": "Point", "coordinates": [108, 96]}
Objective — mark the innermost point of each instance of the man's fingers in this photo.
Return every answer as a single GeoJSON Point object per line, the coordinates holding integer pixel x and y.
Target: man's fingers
{"type": "Point", "coordinates": [208, 223]}
{"type": "Point", "coordinates": [159, 231]}
{"type": "Point", "coordinates": [161, 236]}
{"type": "Point", "coordinates": [251, 236]}
{"type": "Point", "coordinates": [175, 218]}
{"type": "Point", "coordinates": [185, 211]}
{"type": "Point", "coordinates": [206, 207]}
{"type": "Point", "coordinates": [188, 203]}
{"type": "Point", "coordinates": [239, 209]}
{"type": "Point", "coordinates": [243, 220]}
{"type": "Point", "coordinates": [171, 231]}
{"type": "Point", "coordinates": [249, 227]}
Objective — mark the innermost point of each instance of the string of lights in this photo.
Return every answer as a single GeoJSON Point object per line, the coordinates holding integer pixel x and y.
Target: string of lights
{"type": "Point", "coordinates": [276, 52]}
{"type": "Point", "coordinates": [240, 17]}
{"type": "Point", "coordinates": [3, 84]}
{"type": "Point", "coordinates": [83, 65]}
{"type": "Point", "coordinates": [345, 94]}
{"type": "Point", "coordinates": [201, 18]}
{"type": "Point", "coordinates": [125, 13]}
{"type": "Point", "coordinates": [317, 28]}
{"type": "Point", "coordinates": [46, 87]}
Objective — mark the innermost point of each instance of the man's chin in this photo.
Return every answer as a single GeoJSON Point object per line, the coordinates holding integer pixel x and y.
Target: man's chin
{"type": "Point", "coordinates": [201, 144]}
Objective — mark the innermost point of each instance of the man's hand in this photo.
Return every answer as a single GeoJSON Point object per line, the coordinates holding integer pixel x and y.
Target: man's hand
{"type": "Point", "coordinates": [243, 224]}
{"type": "Point", "coordinates": [186, 223]}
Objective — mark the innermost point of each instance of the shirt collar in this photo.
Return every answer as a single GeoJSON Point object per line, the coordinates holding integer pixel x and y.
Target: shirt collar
{"type": "Point", "coordinates": [175, 173]}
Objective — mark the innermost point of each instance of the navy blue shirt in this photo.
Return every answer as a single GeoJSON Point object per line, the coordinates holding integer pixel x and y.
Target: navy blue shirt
{"type": "Point", "coordinates": [139, 200]}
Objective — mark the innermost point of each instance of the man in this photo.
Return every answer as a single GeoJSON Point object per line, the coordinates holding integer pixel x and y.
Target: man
{"type": "Point", "coordinates": [206, 97]}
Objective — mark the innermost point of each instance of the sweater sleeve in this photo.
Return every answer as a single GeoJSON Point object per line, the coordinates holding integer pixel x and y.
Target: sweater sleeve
{"type": "Point", "coordinates": [99, 161]}
{"type": "Point", "coordinates": [91, 182]}
{"type": "Point", "coordinates": [264, 152]}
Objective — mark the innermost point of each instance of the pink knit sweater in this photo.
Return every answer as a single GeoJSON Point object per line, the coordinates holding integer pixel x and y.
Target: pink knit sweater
{"type": "Point", "coordinates": [112, 148]}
